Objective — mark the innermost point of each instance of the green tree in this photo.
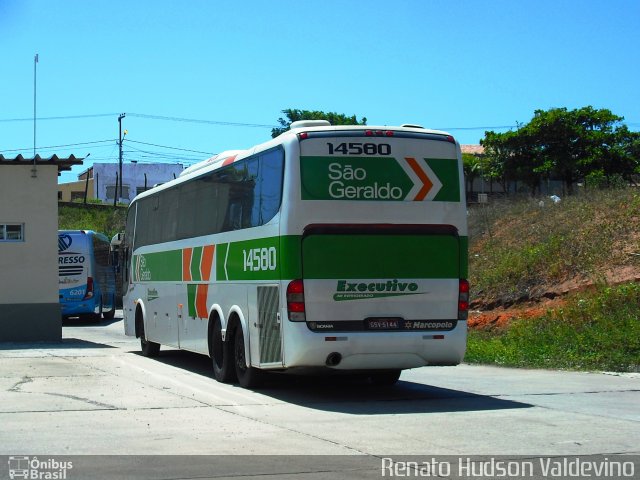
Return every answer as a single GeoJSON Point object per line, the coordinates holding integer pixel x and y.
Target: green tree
{"type": "Point", "coordinates": [472, 166]}
{"type": "Point", "coordinates": [294, 115]}
{"type": "Point", "coordinates": [565, 144]}
{"type": "Point", "coordinates": [572, 143]}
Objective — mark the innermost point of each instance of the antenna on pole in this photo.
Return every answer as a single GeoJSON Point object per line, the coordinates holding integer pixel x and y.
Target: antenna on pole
{"type": "Point", "coordinates": [35, 63]}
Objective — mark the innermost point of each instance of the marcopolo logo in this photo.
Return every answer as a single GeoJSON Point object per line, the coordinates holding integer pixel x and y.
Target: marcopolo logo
{"type": "Point", "coordinates": [350, 290]}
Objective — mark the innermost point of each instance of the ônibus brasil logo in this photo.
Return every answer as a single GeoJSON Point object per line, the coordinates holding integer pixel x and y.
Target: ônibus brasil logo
{"type": "Point", "coordinates": [350, 290]}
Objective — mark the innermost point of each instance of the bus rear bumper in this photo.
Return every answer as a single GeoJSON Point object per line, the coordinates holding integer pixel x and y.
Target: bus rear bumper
{"type": "Point", "coordinates": [373, 350]}
{"type": "Point", "coordinates": [74, 309]}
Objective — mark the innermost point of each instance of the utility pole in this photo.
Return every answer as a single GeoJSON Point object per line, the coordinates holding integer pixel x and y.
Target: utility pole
{"type": "Point", "coordinates": [120, 117]}
{"type": "Point", "coordinates": [35, 63]}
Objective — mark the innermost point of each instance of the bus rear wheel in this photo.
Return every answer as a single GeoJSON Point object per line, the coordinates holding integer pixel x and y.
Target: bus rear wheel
{"type": "Point", "coordinates": [111, 313]}
{"type": "Point", "coordinates": [149, 349]}
{"type": "Point", "coordinates": [248, 377]}
{"type": "Point", "coordinates": [222, 356]}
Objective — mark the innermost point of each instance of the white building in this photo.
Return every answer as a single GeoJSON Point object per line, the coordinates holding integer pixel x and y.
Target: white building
{"type": "Point", "coordinates": [103, 177]}
{"type": "Point", "coordinates": [29, 302]}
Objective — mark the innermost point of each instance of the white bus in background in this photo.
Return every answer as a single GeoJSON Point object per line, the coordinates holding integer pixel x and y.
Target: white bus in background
{"type": "Point", "coordinates": [338, 248]}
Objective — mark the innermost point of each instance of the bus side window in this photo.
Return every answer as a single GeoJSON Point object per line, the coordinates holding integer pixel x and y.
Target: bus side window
{"type": "Point", "coordinates": [270, 186]}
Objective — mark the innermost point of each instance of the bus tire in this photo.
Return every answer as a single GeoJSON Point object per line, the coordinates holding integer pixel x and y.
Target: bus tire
{"type": "Point", "coordinates": [111, 313]}
{"type": "Point", "coordinates": [385, 379]}
{"type": "Point", "coordinates": [97, 317]}
{"type": "Point", "coordinates": [221, 355]}
{"type": "Point", "coordinates": [149, 349]}
{"type": "Point", "coordinates": [248, 377]}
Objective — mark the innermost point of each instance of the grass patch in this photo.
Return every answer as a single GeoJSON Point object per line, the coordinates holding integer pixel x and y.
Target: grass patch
{"type": "Point", "coordinates": [596, 331]}
{"type": "Point", "coordinates": [107, 220]}
{"type": "Point", "coordinates": [518, 248]}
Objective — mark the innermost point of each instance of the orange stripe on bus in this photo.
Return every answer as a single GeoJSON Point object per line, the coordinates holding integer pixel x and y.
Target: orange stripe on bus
{"type": "Point", "coordinates": [201, 301]}
{"type": "Point", "coordinates": [186, 264]}
{"type": "Point", "coordinates": [229, 161]}
{"type": "Point", "coordinates": [207, 262]}
{"type": "Point", "coordinates": [422, 176]}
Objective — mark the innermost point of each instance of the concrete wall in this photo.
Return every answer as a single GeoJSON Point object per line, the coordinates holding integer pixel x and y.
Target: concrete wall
{"type": "Point", "coordinates": [75, 188]}
{"type": "Point", "coordinates": [29, 308]}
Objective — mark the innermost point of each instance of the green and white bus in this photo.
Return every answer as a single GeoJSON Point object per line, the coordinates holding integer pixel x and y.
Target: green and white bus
{"type": "Point", "coordinates": [337, 248]}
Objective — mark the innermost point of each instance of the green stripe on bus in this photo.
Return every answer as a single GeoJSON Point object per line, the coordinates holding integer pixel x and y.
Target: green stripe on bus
{"type": "Point", "coordinates": [191, 299]}
{"type": "Point", "coordinates": [381, 256]}
{"type": "Point", "coordinates": [221, 253]}
{"type": "Point", "coordinates": [160, 266]}
{"type": "Point", "coordinates": [447, 171]}
{"type": "Point", "coordinates": [253, 259]}
{"type": "Point", "coordinates": [290, 257]}
{"type": "Point", "coordinates": [326, 256]}
{"type": "Point", "coordinates": [195, 264]}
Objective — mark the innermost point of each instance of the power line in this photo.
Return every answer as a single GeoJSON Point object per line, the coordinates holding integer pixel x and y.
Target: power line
{"type": "Point", "coordinates": [195, 120]}
{"type": "Point", "coordinates": [68, 117]}
{"type": "Point", "coordinates": [164, 146]}
{"type": "Point", "coordinates": [220, 122]}
{"type": "Point", "coordinates": [500, 127]}
{"type": "Point", "coordinates": [59, 146]}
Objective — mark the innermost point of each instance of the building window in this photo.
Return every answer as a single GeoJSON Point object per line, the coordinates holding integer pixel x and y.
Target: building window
{"type": "Point", "coordinates": [111, 192]}
{"type": "Point", "coordinates": [77, 196]}
{"type": "Point", "coordinates": [11, 232]}
{"type": "Point", "coordinates": [59, 195]}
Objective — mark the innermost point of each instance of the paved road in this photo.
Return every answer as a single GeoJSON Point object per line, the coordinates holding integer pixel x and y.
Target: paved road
{"type": "Point", "coordinates": [95, 394]}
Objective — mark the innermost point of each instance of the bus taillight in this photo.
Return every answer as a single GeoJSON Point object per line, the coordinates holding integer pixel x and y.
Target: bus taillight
{"type": "Point", "coordinates": [463, 299]}
{"type": "Point", "coordinates": [295, 301]}
{"type": "Point", "coordinates": [89, 293]}
{"type": "Point", "coordinates": [378, 133]}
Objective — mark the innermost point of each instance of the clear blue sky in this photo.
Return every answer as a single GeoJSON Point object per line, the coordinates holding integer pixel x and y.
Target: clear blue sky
{"type": "Point", "coordinates": [443, 64]}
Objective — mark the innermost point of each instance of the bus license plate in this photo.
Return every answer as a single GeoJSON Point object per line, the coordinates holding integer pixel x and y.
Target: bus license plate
{"type": "Point", "coordinates": [383, 323]}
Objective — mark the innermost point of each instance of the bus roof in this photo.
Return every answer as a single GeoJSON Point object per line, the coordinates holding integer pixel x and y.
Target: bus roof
{"type": "Point", "coordinates": [309, 126]}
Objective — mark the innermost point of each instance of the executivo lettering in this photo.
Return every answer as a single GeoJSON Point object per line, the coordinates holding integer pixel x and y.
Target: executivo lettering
{"type": "Point", "coordinates": [346, 290]}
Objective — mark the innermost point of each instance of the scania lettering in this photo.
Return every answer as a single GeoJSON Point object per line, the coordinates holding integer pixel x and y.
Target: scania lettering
{"type": "Point", "coordinates": [86, 275]}
{"type": "Point", "coordinates": [258, 257]}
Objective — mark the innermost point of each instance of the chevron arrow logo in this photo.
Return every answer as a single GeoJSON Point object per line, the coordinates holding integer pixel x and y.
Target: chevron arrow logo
{"type": "Point", "coordinates": [426, 183]}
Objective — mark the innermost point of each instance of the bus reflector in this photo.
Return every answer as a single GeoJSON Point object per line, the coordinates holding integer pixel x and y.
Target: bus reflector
{"type": "Point", "coordinates": [463, 299]}
{"type": "Point", "coordinates": [295, 301]}
{"type": "Point", "coordinates": [89, 293]}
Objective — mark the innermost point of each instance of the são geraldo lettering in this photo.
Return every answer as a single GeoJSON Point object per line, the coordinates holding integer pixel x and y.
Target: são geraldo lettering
{"type": "Point", "coordinates": [339, 173]}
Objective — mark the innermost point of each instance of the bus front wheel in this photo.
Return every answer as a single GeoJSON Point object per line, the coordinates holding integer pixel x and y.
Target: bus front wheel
{"type": "Point", "coordinates": [248, 377]}
{"type": "Point", "coordinates": [222, 356]}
